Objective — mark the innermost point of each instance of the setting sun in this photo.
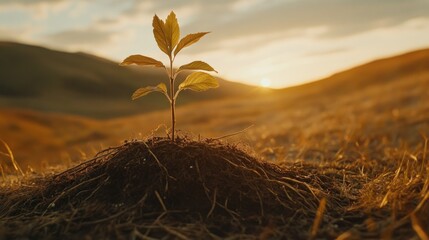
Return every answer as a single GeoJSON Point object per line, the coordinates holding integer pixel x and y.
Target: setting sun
{"type": "Point", "coordinates": [265, 82]}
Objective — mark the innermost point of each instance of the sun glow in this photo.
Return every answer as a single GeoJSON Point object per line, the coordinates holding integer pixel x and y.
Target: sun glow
{"type": "Point", "coordinates": [265, 82]}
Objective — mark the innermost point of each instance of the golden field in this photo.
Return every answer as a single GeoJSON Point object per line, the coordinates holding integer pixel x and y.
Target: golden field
{"type": "Point", "coordinates": [359, 137]}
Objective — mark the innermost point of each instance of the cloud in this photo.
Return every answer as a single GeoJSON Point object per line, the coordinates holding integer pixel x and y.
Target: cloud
{"type": "Point", "coordinates": [258, 22]}
{"type": "Point", "coordinates": [8, 35]}
{"type": "Point", "coordinates": [272, 34]}
{"type": "Point", "coordinates": [17, 33]}
{"type": "Point", "coordinates": [87, 36]}
{"type": "Point", "coordinates": [341, 18]}
{"type": "Point", "coordinates": [27, 2]}
{"type": "Point", "coordinates": [325, 52]}
{"type": "Point", "coordinates": [107, 21]}
{"type": "Point", "coordinates": [36, 9]}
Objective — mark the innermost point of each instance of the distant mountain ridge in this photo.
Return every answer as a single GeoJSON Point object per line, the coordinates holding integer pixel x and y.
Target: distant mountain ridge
{"type": "Point", "coordinates": [38, 78]}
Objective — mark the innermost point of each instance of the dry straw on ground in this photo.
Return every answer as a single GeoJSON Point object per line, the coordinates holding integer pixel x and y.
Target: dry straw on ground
{"type": "Point", "coordinates": [142, 183]}
{"type": "Point", "coordinates": [189, 189]}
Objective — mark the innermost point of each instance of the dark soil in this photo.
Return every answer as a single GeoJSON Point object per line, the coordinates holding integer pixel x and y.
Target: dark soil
{"type": "Point", "coordinates": [142, 182]}
{"type": "Point", "coordinates": [206, 189]}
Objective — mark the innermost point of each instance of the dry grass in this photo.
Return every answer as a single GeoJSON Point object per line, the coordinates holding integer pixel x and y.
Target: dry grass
{"type": "Point", "coordinates": [9, 154]}
{"type": "Point", "coordinates": [365, 150]}
{"type": "Point", "coordinates": [208, 189]}
{"type": "Point", "coordinates": [156, 188]}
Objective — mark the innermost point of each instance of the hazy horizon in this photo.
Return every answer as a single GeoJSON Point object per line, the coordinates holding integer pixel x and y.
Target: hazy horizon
{"type": "Point", "coordinates": [276, 44]}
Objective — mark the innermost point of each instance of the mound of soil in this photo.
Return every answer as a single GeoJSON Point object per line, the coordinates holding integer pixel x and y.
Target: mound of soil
{"type": "Point", "coordinates": [141, 180]}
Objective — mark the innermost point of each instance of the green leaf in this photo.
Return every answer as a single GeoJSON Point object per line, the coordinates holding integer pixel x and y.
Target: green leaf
{"type": "Point", "coordinates": [172, 31]}
{"type": "Point", "coordinates": [188, 40]}
{"type": "Point", "coordinates": [142, 61]}
{"type": "Point", "coordinates": [196, 65]}
{"type": "Point", "coordinates": [159, 32]}
{"type": "Point", "coordinates": [199, 81]}
{"type": "Point", "coordinates": [162, 87]}
{"type": "Point", "coordinates": [146, 90]}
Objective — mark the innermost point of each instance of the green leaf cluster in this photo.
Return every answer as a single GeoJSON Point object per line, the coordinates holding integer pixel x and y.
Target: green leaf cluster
{"type": "Point", "coordinates": [167, 37]}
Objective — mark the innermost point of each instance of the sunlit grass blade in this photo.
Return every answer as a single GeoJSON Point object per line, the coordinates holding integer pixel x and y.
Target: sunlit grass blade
{"type": "Point", "coordinates": [12, 158]}
{"type": "Point", "coordinates": [418, 227]}
{"type": "Point", "coordinates": [2, 173]}
{"type": "Point", "coordinates": [318, 218]}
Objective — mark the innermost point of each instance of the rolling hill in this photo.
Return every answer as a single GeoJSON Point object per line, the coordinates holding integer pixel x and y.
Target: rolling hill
{"type": "Point", "coordinates": [358, 138]}
{"type": "Point", "coordinates": [385, 100]}
{"type": "Point", "coordinates": [41, 79]}
{"type": "Point", "coordinates": [378, 72]}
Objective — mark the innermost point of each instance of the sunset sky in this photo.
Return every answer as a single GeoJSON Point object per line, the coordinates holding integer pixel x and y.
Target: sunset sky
{"type": "Point", "coordinates": [275, 43]}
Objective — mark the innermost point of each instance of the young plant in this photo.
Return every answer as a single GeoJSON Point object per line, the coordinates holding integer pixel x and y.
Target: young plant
{"type": "Point", "coordinates": [167, 37]}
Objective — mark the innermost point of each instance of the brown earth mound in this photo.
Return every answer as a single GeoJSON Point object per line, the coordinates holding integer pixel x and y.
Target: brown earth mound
{"type": "Point", "coordinates": [141, 182]}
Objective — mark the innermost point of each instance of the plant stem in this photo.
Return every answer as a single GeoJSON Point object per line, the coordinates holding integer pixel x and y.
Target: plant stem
{"type": "Point", "coordinates": [173, 117]}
